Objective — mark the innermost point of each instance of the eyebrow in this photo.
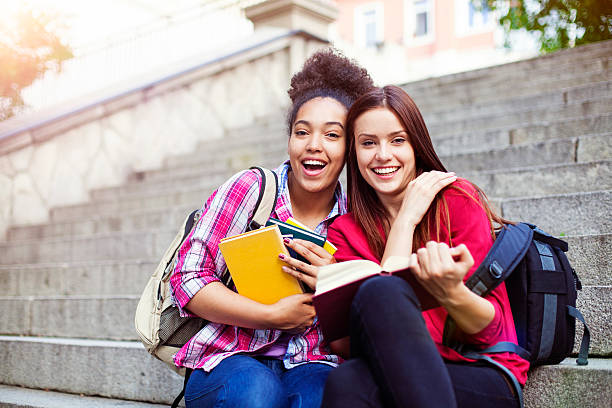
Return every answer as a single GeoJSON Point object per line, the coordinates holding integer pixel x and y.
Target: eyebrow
{"type": "Point", "coordinates": [397, 132]}
{"type": "Point", "coordinates": [305, 122]}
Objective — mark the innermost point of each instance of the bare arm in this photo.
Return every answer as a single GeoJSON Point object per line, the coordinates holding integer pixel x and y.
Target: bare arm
{"type": "Point", "coordinates": [418, 197]}
{"type": "Point", "coordinates": [217, 303]}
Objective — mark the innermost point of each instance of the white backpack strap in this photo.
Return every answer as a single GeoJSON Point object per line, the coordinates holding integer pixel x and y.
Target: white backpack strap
{"type": "Point", "coordinates": [268, 194]}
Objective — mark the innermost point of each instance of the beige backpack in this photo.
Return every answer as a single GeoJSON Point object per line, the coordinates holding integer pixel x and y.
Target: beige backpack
{"type": "Point", "coordinates": [158, 323]}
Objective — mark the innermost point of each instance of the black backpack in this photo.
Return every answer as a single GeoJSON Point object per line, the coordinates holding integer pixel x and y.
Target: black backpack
{"type": "Point", "coordinates": [542, 289]}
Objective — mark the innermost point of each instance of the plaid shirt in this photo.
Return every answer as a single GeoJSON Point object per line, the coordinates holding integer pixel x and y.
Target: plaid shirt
{"type": "Point", "coordinates": [227, 212]}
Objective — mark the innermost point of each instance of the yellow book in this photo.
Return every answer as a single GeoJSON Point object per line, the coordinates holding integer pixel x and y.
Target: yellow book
{"type": "Point", "coordinates": [328, 246]}
{"type": "Point", "coordinates": [253, 262]}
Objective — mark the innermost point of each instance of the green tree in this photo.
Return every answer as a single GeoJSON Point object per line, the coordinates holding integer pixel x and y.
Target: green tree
{"type": "Point", "coordinates": [560, 23]}
{"type": "Point", "coordinates": [29, 47]}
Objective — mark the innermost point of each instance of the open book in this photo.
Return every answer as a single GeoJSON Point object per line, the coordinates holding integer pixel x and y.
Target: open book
{"type": "Point", "coordinates": [253, 262]}
{"type": "Point", "coordinates": [338, 283]}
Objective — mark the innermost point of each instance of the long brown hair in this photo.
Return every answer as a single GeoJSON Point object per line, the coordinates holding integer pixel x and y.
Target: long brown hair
{"type": "Point", "coordinates": [363, 201]}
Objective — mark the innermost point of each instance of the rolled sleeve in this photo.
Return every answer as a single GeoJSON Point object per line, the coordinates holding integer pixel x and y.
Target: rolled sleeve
{"type": "Point", "coordinates": [226, 213]}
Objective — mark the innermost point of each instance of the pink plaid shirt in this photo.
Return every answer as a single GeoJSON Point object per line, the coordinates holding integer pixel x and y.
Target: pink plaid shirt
{"type": "Point", "coordinates": [227, 212]}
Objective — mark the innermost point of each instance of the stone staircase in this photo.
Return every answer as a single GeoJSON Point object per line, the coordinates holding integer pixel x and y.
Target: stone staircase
{"type": "Point", "coordinates": [535, 135]}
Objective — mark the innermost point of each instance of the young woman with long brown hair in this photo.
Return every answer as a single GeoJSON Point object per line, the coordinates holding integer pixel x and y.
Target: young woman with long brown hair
{"type": "Point", "coordinates": [402, 201]}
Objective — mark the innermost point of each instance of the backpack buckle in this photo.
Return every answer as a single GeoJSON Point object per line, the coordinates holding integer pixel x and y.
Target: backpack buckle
{"type": "Point", "coordinates": [495, 270]}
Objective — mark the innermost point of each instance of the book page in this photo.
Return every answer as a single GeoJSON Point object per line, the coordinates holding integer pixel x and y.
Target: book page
{"type": "Point", "coordinates": [341, 273]}
{"type": "Point", "coordinates": [396, 263]}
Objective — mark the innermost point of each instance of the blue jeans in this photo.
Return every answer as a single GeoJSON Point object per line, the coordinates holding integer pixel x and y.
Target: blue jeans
{"type": "Point", "coordinates": [395, 363]}
{"type": "Point", "coordinates": [251, 382]}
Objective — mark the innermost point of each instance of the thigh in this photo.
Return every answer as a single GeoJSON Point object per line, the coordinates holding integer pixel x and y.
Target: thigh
{"type": "Point", "coordinates": [352, 385]}
{"type": "Point", "coordinates": [478, 385]}
{"type": "Point", "coordinates": [304, 384]}
{"type": "Point", "coordinates": [238, 381]}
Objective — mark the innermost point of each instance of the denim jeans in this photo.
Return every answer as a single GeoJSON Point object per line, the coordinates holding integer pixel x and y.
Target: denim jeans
{"type": "Point", "coordinates": [396, 364]}
{"type": "Point", "coordinates": [252, 382]}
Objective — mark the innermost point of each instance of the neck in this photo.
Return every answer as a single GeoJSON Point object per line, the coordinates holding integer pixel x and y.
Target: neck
{"type": "Point", "coordinates": [310, 208]}
{"type": "Point", "coordinates": [392, 205]}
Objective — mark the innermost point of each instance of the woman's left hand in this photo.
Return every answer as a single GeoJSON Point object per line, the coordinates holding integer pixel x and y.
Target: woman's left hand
{"type": "Point", "coordinates": [441, 269]}
{"type": "Point", "coordinates": [316, 255]}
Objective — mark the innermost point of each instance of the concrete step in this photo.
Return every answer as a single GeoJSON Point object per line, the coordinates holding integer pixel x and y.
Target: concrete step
{"type": "Point", "coordinates": [564, 214]}
{"type": "Point", "coordinates": [112, 369]}
{"type": "Point", "coordinates": [569, 385]}
{"type": "Point", "coordinates": [112, 317]}
{"type": "Point", "coordinates": [528, 116]}
{"type": "Point", "coordinates": [153, 200]}
{"type": "Point", "coordinates": [517, 134]}
{"type": "Point", "coordinates": [95, 367]}
{"type": "Point", "coordinates": [544, 180]}
{"type": "Point", "coordinates": [132, 245]}
{"type": "Point", "coordinates": [547, 152]}
{"type": "Point", "coordinates": [76, 278]}
{"type": "Point", "coordinates": [590, 257]}
{"type": "Point", "coordinates": [89, 317]}
{"type": "Point", "coordinates": [565, 60]}
{"type": "Point", "coordinates": [135, 220]}
{"type": "Point", "coordinates": [499, 107]}
{"type": "Point", "coordinates": [19, 397]}
{"type": "Point", "coordinates": [492, 91]}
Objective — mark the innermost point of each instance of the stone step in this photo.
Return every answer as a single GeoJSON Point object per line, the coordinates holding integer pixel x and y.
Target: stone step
{"type": "Point", "coordinates": [19, 397]}
{"type": "Point", "coordinates": [589, 255]}
{"type": "Point", "coordinates": [547, 152]}
{"type": "Point", "coordinates": [519, 182]}
{"type": "Point", "coordinates": [89, 317]}
{"type": "Point", "coordinates": [135, 220]}
{"type": "Point", "coordinates": [544, 65]}
{"type": "Point", "coordinates": [153, 200]}
{"type": "Point", "coordinates": [544, 180]}
{"type": "Point", "coordinates": [528, 116]}
{"type": "Point", "coordinates": [93, 367]}
{"type": "Point", "coordinates": [564, 214]}
{"type": "Point", "coordinates": [113, 369]}
{"type": "Point", "coordinates": [112, 317]}
{"type": "Point", "coordinates": [498, 89]}
{"type": "Point", "coordinates": [76, 278]}
{"type": "Point", "coordinates": [499, 107]}
{"type": "Point", "coordinates": [569, 385]}
{"type": "Point", "coordinates": [129, 245]}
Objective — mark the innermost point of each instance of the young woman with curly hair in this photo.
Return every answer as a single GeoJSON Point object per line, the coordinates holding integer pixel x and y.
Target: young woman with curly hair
{"type": "Point", "coordinates": [402, 202]}
{"type": "Point", "coordinates": [251, 354]}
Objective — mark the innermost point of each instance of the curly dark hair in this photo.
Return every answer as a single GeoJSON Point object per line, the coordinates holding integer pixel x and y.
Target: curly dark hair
{"type": "Point", "coordinates": [327, 73]}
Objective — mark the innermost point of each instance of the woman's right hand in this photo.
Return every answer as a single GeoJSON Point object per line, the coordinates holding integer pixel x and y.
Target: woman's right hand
{"type": "Point", "coordinates": [421, 192]}
{"type": "Point", "coordinates": [294, 313]}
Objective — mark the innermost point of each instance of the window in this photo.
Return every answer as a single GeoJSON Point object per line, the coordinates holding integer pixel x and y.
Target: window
{"type": "Point", "coordinates": [422, 12]}
{"type": "Point", "coordinates": [369, 25]}
{"type": "Point", "coordinates": [472, 16]}
{"type": "Point", "coordinates": [419, 19]}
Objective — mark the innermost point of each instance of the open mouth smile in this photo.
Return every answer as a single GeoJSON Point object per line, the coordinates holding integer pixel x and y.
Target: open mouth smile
{"type": "Point", "coordinates": [313, 167]}
{"type": "Point", "coordinates": [386, 171]}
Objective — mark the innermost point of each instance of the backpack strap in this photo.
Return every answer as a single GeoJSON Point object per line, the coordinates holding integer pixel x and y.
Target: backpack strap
{"type": "Point", "coordinates": [583, 354]}
{"type": "Point", "coordinates": [179, 397]}
{"type": "Point", "coordinates": [265, 205]}
{"type": "Point", "coordinates": [268, 194]}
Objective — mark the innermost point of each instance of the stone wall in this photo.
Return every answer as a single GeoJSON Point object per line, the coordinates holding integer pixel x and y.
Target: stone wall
{"type": "Point", "coordinates": [57, 159]}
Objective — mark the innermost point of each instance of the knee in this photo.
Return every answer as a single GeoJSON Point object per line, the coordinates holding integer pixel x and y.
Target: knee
{"type": "Point", "coordinates": [382, 289]}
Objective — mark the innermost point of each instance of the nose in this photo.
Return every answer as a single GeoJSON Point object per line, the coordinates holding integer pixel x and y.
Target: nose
{"type": "Point", "coordinates": [314, 143]}
{"type": "Point", "coordinates": [382, 152]}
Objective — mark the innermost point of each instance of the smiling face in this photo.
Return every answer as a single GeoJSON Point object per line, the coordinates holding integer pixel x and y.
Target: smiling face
{"type": "Point", "coordinates": [384, 155]}
{"type": "Point", "coordinates": [317, 145]}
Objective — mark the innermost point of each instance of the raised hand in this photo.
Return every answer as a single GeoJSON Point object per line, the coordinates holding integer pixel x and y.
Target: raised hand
{"type": "Point", "coordinates": [421, 192]}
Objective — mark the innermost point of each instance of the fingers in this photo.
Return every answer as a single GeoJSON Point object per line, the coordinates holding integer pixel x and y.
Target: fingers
{"type": "Point", "coordinates": [462, 255]}
{"type": "Point", "coordinates": [315, 254]}
{"type": "Point", "coordinates": [311, 281]}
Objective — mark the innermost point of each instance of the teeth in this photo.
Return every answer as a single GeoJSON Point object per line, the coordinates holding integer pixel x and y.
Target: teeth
{"type": "Point", "coordinates": [314, 162]}
{"type": "Point", "coordinates": [385, 170]}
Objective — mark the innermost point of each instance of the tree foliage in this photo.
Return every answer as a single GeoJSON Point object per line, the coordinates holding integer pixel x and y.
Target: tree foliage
{"type": "Point", "coordinates": [560, 23]}
{"type": "Point", "coordinates": [29, 47]}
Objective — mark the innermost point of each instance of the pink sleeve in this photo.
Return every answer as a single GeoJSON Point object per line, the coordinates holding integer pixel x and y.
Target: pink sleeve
{"type": "Point", "coordinates": [227, 212]}
{"type": "Point", "coordinates": [349, 249]}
